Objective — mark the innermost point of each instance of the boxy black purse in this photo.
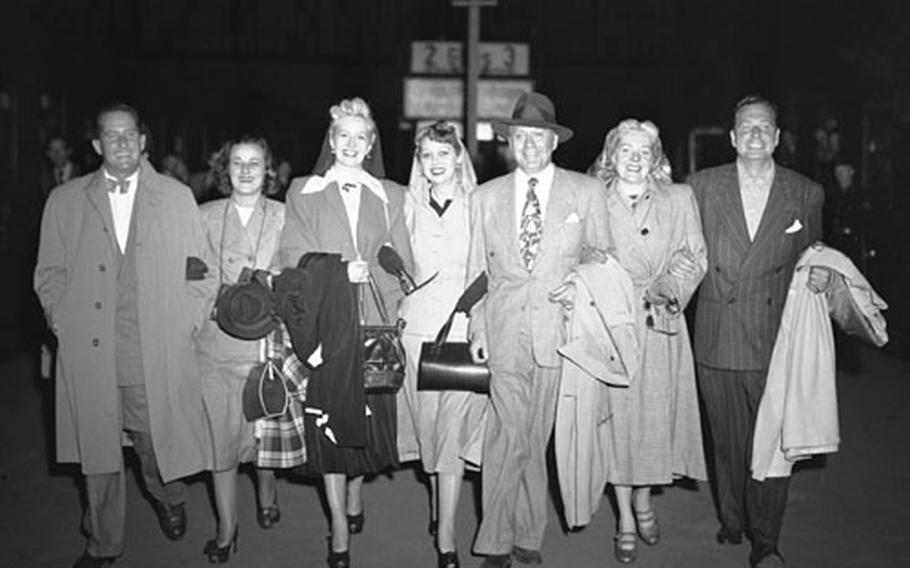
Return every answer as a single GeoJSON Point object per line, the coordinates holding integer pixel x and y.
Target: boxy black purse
{"type": "Point", "coordinates": [447, 365]}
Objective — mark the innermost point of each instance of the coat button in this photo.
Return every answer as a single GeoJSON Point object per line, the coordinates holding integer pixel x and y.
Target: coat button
{"type": "Point", "coordinates": [97, 305]}
{"type": "Point", "coordinates": [96, 342]}
{"type": "Point", "coordinates": [716, 269]}
{"type": "Point", "coordinates": [731, 300]}
{"type": "Point", "coordinates": [645, 231]}
{"type": "Point", "coordinates": [102, 268]}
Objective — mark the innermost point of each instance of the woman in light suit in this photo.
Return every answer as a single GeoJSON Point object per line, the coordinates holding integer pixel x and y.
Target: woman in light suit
{"type": "Point", "coordinates": [242, 231]}
{"type": "Point", "coordinates": [655, 430]}
{"type": "Point", "coordinates": [441, 423]}
{"type": "Point", "coordinates": [346, 208]}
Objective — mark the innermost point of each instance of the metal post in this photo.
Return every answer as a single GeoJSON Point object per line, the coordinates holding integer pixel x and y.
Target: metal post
{"type": "Point", "coordinates": [473, 75]}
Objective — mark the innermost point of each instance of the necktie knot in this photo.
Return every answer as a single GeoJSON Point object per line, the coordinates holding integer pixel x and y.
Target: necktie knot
{"type": "Point", "coordinates": [118, 185]}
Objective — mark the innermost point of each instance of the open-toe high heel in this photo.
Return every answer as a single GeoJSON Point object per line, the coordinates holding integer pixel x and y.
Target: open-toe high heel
{"type": "Point", "coordinates": [624, 547]}
{"type": "Point", "coordinates": [339, 559]}
{"type": "Point", "coordinates": [355, 523]}
{"type": "Point", "coordinates": [648, 529]}
{"type": "Point", "coordinates": [267, 517]}
{"type": "Point", "coordinates": [221, 554]}
{"type": "Point", "coordinates": [447, 559]}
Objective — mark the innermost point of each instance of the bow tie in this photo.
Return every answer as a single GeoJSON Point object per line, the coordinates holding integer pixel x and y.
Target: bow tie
{"type": "Point", "coordinates": [348, 186]}
{"type": "Point", "coordinates": [117, 185]}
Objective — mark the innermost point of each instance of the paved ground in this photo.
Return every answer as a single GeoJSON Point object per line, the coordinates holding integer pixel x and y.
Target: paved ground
{"type": "Point", "coordinates": [851, 509]}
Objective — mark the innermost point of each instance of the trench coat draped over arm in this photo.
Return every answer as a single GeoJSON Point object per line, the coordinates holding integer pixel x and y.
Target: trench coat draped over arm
{"type": "Point", "coordinates": [76, 283]}
{"type": "Point", "coordinates": [601, 350]}
{"type": "Point", "coordinates": [798, 416]}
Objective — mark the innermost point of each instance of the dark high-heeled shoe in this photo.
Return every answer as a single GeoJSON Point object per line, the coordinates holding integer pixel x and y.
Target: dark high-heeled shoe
{"type": "Point", "coordinates": [221, 554]}
{"type": "Point", "coordinates": [267, 517]}
{"type": "Point", "coordinates": [447, 559]}
{"type": "Point", "coordinates": [355, 523]}
{"type": "Point", "coordinates": [339, 559]}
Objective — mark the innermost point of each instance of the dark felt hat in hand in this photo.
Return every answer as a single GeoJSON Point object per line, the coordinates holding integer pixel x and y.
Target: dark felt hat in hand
{"type": "Point", "coordinates": [246, 311]}
{"type": "Point", "coordinates": [536, 110]}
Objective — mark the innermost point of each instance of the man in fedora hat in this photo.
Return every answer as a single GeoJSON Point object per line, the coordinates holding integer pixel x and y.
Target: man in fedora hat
{"type": "Point", "coordinates": [529, 228]}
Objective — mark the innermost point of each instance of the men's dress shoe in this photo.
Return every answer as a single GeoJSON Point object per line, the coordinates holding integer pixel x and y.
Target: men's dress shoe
{"type": "Point", "coordinates": [526, 556]}
{"type": "Point", "coordinates": [497, 561]}
{"type": "Point", "coordinates": [171, 519]}
{"type": "Point", "coordinates": [89, 561]}
{"type": "Point", "coordinates": [727, 536]}
{"type": "Point", "coordinates": [771, 560]}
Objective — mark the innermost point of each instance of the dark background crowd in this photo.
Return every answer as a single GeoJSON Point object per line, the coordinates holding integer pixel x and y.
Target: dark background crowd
{"type": "Point", "coordinates": [203, 70]}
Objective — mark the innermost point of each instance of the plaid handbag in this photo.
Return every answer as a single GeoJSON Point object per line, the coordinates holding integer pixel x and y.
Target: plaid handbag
{"type": "Point", "coordinates": [281, 443]}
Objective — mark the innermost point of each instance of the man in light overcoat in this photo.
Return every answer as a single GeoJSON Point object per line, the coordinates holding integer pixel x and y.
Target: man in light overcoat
{"type": "Point", "coordinates": [123, 286]}
{"type": "Point", "coordinates": [528, 229]}
{"type": "Point", "coordinates": [757, 219]}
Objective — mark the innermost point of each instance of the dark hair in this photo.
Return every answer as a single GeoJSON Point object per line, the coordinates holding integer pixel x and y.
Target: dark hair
{"type": "Point", "coordinates": [440, 131]}
{"type": "Point", "coordinates": [117, 107]}
{"type": "Point", "coordinates": [222, 165]}
{"type": "Point", "coordinates": [754, 99]}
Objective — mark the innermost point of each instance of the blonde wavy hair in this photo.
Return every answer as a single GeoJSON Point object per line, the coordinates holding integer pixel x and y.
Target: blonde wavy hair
{"type": "Point", "coordinates": [605, 168]}
{"type": "Point", "coordinates": [352, 107]}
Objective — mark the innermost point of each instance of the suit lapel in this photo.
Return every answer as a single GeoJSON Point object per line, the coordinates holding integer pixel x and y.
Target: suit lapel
{"type": "Point", "coordinates": [336, 205]}
{"type": "Point", "coordinates": [731, 208]}
{"type": "Point", "coordinates": [372, 211]}
{"type": "Point", "coordinates": [559, 206]}
{"type": "Point", "coordinates": [97, 196]}
{"type": "Point", "coordinates": [776, 216]}
{"type": "Point", "coordinates": [146, 206]}
{"type": "Point", "coordinates": [504, 213]}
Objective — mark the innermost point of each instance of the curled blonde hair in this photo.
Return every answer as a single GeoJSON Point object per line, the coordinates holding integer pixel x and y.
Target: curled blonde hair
{"type": "Point", "coordinates": [605, 168]}
{"type": "Point", "coordinates": [352, 107]}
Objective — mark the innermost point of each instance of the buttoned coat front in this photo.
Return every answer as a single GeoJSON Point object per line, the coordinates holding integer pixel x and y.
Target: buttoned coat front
{"type": "Point", "coordinates": [742, 296]}
{"type": "Point", "coordinates": [655, 432]}
{"type": "Point", "coordinates": [76, 282]}
{"type": "Point", "coordinates": [576, 218]}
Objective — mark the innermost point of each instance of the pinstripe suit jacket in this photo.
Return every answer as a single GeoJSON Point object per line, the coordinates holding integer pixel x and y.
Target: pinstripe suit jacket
{"type": "Point", "coordinates": [575, 219]}
{"type": "Point", "coordinates": [742, 296]}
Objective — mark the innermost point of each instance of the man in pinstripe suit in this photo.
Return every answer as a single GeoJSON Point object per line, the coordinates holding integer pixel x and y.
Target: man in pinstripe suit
{"type": "Point", "coordinates": [757, 218]}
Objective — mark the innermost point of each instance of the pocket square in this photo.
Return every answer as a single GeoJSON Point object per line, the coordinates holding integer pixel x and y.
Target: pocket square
{"type": "Point", "coordinates": [573, 218]}
{"type": "Point", "coordinates": [795, 227]}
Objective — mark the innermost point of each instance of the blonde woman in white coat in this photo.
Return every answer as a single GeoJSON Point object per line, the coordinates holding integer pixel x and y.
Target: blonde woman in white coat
{"type": "Point", "coordinates": [438, 425]}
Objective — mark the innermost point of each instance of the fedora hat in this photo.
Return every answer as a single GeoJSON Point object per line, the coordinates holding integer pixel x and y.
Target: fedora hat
{"type": "Point", "coordinates": [532, 109]}
{"type": "Point", "coordinates": [246, 311]}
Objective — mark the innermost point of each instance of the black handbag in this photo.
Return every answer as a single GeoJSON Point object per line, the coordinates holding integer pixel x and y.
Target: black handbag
{"type": "Point", "coordinates": [265, 394]}
{"type": "Point", "coordinates": [446, 365]}
{"type": "Point", "coordinates": [383, 354]}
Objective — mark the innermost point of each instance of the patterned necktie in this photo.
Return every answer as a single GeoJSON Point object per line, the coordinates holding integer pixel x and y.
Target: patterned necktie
{"type": "Point", "coordinates": [531, 226]}
{"type": "Point", "coordinates": [117, 185]}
